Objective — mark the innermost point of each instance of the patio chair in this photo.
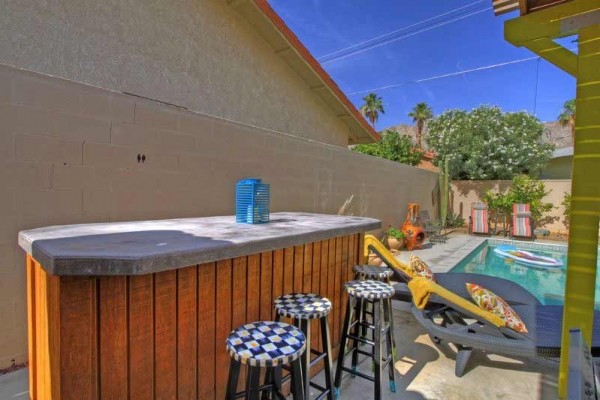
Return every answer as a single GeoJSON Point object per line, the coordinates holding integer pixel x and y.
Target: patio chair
{"type": "Point", "coordinates": [479, 222]}
{"type": "Point", "coordinates": [522, 222]}
{"type": "Point", "coordinates": [461, 322]}
{"type": "Point", "coordinates": [514, 294]}
{"type": "Point", "coordinates": [430, 226]}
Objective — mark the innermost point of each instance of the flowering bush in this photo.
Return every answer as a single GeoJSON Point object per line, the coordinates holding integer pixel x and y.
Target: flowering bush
{"type": "Point", "coordinates": [486, 143]}
{"type": "Point", "coordinates": [393, 147]}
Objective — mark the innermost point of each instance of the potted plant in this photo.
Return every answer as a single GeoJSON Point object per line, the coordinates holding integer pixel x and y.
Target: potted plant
{"type": "Point", "coordinates": [395, 238]}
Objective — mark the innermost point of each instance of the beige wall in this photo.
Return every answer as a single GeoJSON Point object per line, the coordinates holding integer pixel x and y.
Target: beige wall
{"type": "Point", "coordinates": [465, 193]}
{"type": "Point", "coordinates": [197, 54]}
{"type": "Point", "coordinates": [68, 154]}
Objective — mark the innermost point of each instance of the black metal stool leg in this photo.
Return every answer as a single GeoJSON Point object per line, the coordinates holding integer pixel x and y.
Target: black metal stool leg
{"type": "Point", "coordinates": [232, 381]}
{"type": "Point", "coordinates": [357, 332]}
{"type": "Point", "coordinates": [377, 352]}
{"type": "Point", "coordinates": [391, 346]}
{"type": "Point", "coordinates": [277, 373]}
{"type": "Point", "coordinates": [297, 381]}
{"type": "Point", "coordinates": [252, 383]}
{"type": "Point", "coordinates": [305, 358]}
{"type": "Point", "coordinates": [344, 342]}
{"type": "Point", "coordinates": [325, 339]}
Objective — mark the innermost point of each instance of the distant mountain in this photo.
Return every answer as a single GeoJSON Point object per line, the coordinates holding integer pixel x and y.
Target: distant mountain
{"type": "Point", "coordinates": [409, 130]}
{"type": "Point", "coordinates": [557, 134]}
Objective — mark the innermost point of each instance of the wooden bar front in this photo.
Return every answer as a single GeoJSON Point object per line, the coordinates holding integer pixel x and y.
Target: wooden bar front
{"type": "Point", "coordinates": [162, 335]}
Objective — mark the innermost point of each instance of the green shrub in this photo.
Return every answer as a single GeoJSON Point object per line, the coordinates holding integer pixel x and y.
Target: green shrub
{"type": "Point", "coordinates": [393, 147]}
{"type": "Point", "coordinates": [524, 190]}
{"type": "Point", "coordinates": [454, 221]}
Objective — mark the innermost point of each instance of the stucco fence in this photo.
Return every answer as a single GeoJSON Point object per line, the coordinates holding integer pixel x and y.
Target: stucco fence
{"type": "Point", "coordinates": [465, 193]}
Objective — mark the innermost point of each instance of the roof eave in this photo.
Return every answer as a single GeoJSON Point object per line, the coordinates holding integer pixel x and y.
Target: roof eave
{"type": "Point", "coordinates": [287, 45]}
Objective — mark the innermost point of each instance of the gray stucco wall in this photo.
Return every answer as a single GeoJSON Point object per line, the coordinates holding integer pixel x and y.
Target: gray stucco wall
{"type": "Point", "coordinates": [194, 53]}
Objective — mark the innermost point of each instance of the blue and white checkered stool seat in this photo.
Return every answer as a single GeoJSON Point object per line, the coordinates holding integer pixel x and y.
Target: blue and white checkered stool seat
{"type": "Point", "coordinates": [302, 306]}
{"type": "Point", "coordinates": [370, 290]}
{"type": "Point", "coordinates": [266, 344]}
{"type": "Point", "coordinates": [373, 271]}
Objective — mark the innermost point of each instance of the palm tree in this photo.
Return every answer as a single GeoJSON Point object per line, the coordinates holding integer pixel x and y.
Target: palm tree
{"type": "Point", "coordinates": [567, 117]}
{"type": "Point", "coordinates": [420, 114]}
{"type": "Point", "coordinates": [372, 107]}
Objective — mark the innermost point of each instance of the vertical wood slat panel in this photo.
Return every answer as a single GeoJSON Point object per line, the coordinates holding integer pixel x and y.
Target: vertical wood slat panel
{"type": "Point", "coordinates": [47, 306]}
{"type": "Point", "coordinates": [253, 292]}
{"type": "Point", "coordinates": [238, 318]}
{"type": "Point", "coordinates": [307, 271]}
{"type": "Point", "coordinates": [78, 339]}
{"type": "Point", "coordinates": [141, 336]}
{"type": "Point", "coordinates": [337, 294]}
{"type": "Point", "coordinates": [315, 285]}
{"type": "Point", "coordinates": [331, 288]}
{"type": "Point", "coordinates": [266, 285]}
{"type": "Point", "coordinates": [206, 330]}
{"type": "Point", "coordinates": [361, 244]}
{"type": "Point", "coordinates": [165, 334]}
{"type": "Point", "coordinates": [40, 332]}
{"type": "Point", "coordinates": [343, 278]}
{"type": "Point", "coordinates": [113, 337]}
{"type": "Point", "coordinates": [278, 267]}
{"type": "Point", "coordinates": [223, 307]}
{"type": "Point", "coordinates": [288, 270]}
{"type": "Point", "coordinates": [298, 268]}
{"type": "Point", "coordinates": [307, 268]}
{"type": "Point", "coordinates": [187, 331]}
{"type": "Point", "coordinates": [31, 326]}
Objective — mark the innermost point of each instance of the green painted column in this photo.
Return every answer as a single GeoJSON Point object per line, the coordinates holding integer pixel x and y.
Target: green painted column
{"type": "Point", "coordinates": [585, 199]}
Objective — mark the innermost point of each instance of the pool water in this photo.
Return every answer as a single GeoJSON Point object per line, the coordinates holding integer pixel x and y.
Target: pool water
{"type": "Point", "coordinates": [548, 285]}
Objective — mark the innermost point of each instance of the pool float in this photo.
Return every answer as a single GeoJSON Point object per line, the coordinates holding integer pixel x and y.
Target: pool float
{"type": "Point", "coordinates": [524, 257]}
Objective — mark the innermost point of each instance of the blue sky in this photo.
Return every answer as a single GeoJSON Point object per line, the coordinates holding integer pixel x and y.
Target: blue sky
{"type": "Point", "coordinates": [326, 26]}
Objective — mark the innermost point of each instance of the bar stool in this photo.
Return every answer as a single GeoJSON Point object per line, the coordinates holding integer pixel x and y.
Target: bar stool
{"type": "Point", "coordinates": [380, 294]}
{"type": "Point", "coordinates": [265, 344]}
{"type": "Point", "coordinates": [303, 308]}
{"type": "Point", "coordinates": [373, 272]}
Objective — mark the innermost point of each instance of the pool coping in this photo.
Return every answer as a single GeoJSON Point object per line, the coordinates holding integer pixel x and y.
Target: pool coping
{"type": "Point", "coordinates": [458, 255]}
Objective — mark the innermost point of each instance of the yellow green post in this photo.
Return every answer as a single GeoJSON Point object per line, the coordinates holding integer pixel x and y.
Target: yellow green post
{"type": "Point", "coordinates": [585, 199]}
{"type": "Point", "coordinates": [536, 32]}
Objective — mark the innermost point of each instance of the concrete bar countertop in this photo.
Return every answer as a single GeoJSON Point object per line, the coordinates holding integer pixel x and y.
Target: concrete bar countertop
{"type": "Point", "coordinates": [143, 247]}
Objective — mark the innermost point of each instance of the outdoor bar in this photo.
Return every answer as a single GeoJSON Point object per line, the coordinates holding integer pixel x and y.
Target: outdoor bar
{"type": "Point", "coordinates": [142, 309]}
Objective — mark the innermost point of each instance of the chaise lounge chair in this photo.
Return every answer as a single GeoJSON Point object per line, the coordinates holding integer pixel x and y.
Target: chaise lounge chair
{"type": "Point", "coordinates": [479, 222]}
{"type": "Point", "coordinates": [522, 222]}
{"type": "Point", "coordinates": [457, 320]}
{"type": "Point", "coordinates": [514, 293]}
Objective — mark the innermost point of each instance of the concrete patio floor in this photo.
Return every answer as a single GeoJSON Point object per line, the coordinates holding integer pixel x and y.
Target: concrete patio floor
{"type": "Point", "coordinates": [424, 370]}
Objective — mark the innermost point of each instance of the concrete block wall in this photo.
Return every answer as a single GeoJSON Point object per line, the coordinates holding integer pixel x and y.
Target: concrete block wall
{"type": "Point", "coordinates": [69, 154]}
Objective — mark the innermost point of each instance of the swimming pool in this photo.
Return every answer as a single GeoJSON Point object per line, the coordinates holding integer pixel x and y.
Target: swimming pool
{"type": "Point", "coordinates": [548, 285]}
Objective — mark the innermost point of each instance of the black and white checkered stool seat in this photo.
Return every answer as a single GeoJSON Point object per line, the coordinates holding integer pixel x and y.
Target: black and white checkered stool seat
{"type": "Point", "coordinates": [373, 271]}
{"type": "Point", "coordinates": [302, 306]}
{"type": "Point", "coordinates": [266, 344]}
{"type": "Point", "coordinates": [370, 290]}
